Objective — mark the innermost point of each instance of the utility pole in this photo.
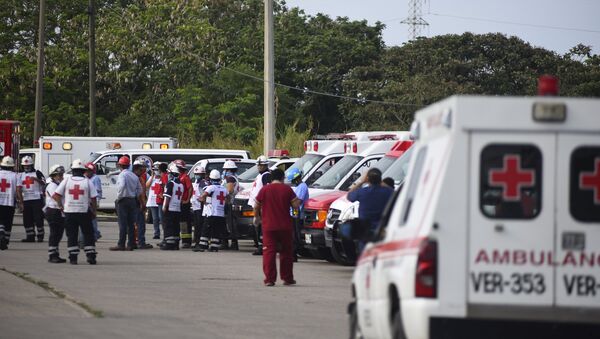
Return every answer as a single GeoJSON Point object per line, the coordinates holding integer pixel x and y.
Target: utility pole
{"type": "Point", "coordinates": [39, 90]}
{"type": "Point", "coordinates": [415, 19]}
{"type": "Point", "coordinates": [92, 67]}
{"type": "Point", "coordinates": [269, 79]}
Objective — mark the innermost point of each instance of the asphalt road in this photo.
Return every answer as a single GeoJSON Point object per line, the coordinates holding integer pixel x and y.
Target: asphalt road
{"type": "Point", "coordinates": [158, 294]}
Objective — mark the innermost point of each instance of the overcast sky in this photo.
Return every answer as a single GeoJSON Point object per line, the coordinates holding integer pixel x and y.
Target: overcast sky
{"type": "Point", "coordinates": [581, 17]}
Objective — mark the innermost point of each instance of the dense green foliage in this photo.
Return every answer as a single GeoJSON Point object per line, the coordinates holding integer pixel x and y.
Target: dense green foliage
{"type": "Point", "coordinates": [179, 68]}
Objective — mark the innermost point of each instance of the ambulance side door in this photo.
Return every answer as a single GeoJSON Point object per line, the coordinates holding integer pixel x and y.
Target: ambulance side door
{"type": "Point", "coordinates": [511, 228]}
{"type": "Point", "coordinates": [578, 220]}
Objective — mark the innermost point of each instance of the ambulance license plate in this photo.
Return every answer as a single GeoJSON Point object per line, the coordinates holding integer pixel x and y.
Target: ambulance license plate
{"type": "Point", "coordinates": [308, 238]}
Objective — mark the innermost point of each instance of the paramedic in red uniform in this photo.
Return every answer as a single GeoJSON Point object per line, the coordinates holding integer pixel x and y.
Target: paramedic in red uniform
{"type": "Point", "coordinates": [273, 204]}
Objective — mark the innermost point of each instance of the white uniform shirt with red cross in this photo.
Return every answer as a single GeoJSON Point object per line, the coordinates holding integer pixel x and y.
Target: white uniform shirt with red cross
{"type": "Point", "coordinates": [174, 191]}
{"type": "Point", "coordinates": [77, 193]}
{"type": "Point", "coordinates": [31, 188]}
{"type": "Point", "coordinates": [8, 188]}
{"type": "Point", "coordinates": [155, 188]}
{"type": "Point", "coordinates": [218, 196]}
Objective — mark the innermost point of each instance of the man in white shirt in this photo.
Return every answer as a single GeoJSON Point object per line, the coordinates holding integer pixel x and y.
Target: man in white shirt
{"type": "Point", "coordinates": [54, 215]}
{"type": "Point", "coordinates": [8, 195]}
{"type": "Point", "coordinates": [30, 190]}
{"type": "Point", "coordinates": [79, 206]}
{"type": "Point", "coordinates": [215, 223]}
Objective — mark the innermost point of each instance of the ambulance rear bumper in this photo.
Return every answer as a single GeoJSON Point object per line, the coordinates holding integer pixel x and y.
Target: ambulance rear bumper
{"type": "Point", "coordinates": [474, 328]}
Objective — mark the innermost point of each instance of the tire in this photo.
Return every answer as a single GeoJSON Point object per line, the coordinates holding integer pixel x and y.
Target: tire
{"type": "Point", "coordinates": [339, 256]}
{"type": "Point", "coordinates": [397, 328]}
{"type": "Point", "coordinates": [355, 332]}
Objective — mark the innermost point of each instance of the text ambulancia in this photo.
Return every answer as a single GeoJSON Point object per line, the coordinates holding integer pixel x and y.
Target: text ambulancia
{"type": "Point", "coordinates": [496, 231]}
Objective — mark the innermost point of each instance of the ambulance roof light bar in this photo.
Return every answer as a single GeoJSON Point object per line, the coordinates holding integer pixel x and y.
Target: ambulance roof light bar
{"type": "Point", "coordinates": [555, 112]}
{"type": "Point", "coordinates": [383, 137]}
{"type": "Point", "coordinates": [278, 153]}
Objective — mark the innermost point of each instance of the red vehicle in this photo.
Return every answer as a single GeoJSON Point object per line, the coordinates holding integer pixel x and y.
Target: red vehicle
{"type": "Point", "coordinates": [10, 138]}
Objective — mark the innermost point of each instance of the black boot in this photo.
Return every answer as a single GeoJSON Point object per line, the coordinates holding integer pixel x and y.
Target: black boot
{"type": "Point", "coordinates": [234, 245]}
{"type": "Point", "coordinates": [55, 259]}
{"type": "Point", "coordinates": [73, 259]}
{"type": "Point", "coordinates": [3, 244]}
{"type": "Point", "coordinates": [257, 252]}
{"type": "Point", "coordinates": [91, 259]}
{"type": "Point", "coordinates": [225, 244]}
{"type": "Point", "coordinates": [40, 238]}
{"type": "Point", "coordinates": [197, 248]}
{"type": "Point", "coordinates": [30, 238]}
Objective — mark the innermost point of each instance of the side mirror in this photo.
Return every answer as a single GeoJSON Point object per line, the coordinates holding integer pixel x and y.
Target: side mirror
{"type": "Point", "coordinates": [355, 176]}
{"type": "Point", "coordinates": [355, 229]}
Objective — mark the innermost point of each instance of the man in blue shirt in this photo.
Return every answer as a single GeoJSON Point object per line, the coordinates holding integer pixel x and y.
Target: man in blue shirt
{"type": "Point", "coordinates": [128, 203]}
{"type": "Point", "coordinates": [372, 198]}
{"type": "Point", "coordinates": [294, 176]}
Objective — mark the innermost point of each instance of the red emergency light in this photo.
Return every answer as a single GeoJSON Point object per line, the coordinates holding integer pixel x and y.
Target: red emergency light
{"type": "Point", "coordinates": [316, 146]}
{"type": "Point", "coordinates": [354, 147]}
{"type": "Point", "coordinates": [548, 85]}
{"type": "Point", "coordinates": [278, 153]}
{"type": "Point", "coordinates": [305, 146]}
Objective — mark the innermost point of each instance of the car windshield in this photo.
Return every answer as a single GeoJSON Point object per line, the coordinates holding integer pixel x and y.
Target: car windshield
{"type": "Point", "coordinates": [384, 163]}
{"type": "Point", "coordinates": [307, 162]}
{"type": "Point", "coordinates": [93, 157]}
{"type": "Point", "coordinates": [249, 175]}
{"type": "Point", "coordinates": [336, 173]}
{"type": "Point", "coordinates": [399, 168]}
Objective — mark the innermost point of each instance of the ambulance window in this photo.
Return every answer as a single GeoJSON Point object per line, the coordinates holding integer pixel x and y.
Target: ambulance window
{"type": "Point", "coordinates": [510, 181]}
{"type": "Point", "coordinates": [414, 182]}
{"type": "Point", "coordinates": [358, 173]}
{"type": "Point", "coordinates": [108, 163]}
{"type": "Point", "coordinates": [584, 188]}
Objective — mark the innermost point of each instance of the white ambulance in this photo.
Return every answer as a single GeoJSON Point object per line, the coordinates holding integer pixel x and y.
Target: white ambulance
{"type": "Point", "coordinates": [63, 150]}
{"type": "Point", "coordinates": [107, 169]}
{"type": "Point", "coordinates": [496, 232]}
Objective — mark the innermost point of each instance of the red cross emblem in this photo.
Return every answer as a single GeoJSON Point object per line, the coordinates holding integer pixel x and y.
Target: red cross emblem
{"type": "Point", "coordinates": [221, 198]}
{"type": "Point", "coordinates": [28, 182]}
{"type": "Point", "coordinates": [156, 188]}
{"type": "Point", "coordinates": [178, 193]}
{"type": "Point", "coordinates": [76, 192]}
{"type": "Point", "coordinates": [591, 181]}
{"type": "Point", "coordinates": [4, 185]}
{"type": "Point", "coordinates": [511, 177]}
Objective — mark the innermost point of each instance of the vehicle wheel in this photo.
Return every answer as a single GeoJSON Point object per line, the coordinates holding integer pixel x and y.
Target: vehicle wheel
{"type": "Point", "coordinates": [339, 256]}
{"type": "Point", "coordinates": [355, 332]}
{"type": "Point", "coordinates": [397, 328]}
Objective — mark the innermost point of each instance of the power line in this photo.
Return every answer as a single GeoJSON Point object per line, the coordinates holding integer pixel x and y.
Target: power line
{"type": "Point", "coordinates": [516, 23]}
{"type": "Point", "coordinates": [304, 90]}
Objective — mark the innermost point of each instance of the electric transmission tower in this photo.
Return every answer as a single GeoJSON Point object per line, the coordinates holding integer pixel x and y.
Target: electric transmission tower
{"type": "Point", "coordinates": [415, 20]}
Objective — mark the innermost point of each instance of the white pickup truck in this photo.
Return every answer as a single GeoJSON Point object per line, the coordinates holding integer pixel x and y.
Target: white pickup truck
{"type": "Point", "coordinates": [496, 231]}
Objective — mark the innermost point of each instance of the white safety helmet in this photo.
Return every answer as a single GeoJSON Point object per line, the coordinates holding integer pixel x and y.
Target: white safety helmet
{"type": "Point", "coordinates": [77, 164]}
{"type": "Point", "coordinates": [139, 162]}
{"type": "Point", "coordinates": [214, 175]}
{"type": "Point", "coordinates": [56, 169]}
{"type": "Point", "coordinates": [7, 161]}
{"type": "Point", "coordinates": [172, 168]}
{"type": "Point", "coordinates": [229, 164]}
{"type": "Point", "coordinates": [199, 170]}
{"type": "Point", "coordinates": [262, 160]}
{"type": "Point", "coordinates": [27, 161]}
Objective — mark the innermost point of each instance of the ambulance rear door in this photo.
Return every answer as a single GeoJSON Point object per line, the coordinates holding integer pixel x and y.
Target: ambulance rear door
{"type": "Point", "coordinates": [578, 220]}
{"type": "Point", "coordinates": [511, 224]}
